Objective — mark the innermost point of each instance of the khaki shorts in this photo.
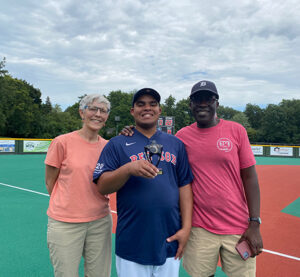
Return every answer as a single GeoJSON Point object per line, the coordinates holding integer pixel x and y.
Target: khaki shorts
{"type": "Point", "coordinates": [68, 242]}
{"type": "Point", "coordinates": [203, 250]}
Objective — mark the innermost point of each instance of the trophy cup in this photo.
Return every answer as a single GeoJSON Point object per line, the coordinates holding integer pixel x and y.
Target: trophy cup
{"type": "Point", "coordinates": [154, 149]}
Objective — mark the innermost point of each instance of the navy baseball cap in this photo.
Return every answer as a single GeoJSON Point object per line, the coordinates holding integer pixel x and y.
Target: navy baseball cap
{"type": "Point", "coordinates": [146, 91]}
{"type": "Point", "coordinates": [203, 86]}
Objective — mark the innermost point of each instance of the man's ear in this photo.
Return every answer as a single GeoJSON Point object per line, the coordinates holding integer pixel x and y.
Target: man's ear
{"type": "Point", "coordinates": [131, 111]}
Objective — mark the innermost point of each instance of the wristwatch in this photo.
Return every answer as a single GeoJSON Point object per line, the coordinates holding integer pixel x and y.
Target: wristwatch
{"type": "Point", "coordinates": [257, 219]}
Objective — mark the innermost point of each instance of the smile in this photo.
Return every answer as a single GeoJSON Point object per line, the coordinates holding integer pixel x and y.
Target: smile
{"type": "Point", "coordinates": [96, 120]}
{"type": "Point", "coordinates": [147, 115]}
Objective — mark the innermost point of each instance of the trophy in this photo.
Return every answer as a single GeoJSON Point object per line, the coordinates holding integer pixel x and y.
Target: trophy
{"type": "Point", "coordinates": [154, 149]}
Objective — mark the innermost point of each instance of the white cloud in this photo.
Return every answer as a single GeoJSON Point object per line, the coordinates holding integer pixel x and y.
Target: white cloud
{"type": "Point", "coordinates": [250, 49]}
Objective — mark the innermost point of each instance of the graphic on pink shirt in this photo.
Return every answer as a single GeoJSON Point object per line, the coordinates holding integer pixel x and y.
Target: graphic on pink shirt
{"type": "Point", "coordinates": [224, 144]}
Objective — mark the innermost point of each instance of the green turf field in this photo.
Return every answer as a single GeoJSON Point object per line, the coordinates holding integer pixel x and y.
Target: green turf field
{"type": "Point", "coordinates": [23, 216]}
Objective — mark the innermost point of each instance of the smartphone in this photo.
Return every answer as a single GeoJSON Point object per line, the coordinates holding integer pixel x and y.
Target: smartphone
{"type": "Point", "coordinates": [244, 250]}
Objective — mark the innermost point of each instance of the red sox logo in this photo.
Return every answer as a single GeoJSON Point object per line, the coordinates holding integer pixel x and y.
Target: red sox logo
{"type": "Point", "coordinates": [165, 156]}
{"type": "Point", "coordinates": [224, 144]}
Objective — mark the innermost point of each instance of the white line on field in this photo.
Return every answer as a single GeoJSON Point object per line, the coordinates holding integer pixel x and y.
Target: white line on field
{"type": "Point", "coordinates": [29, 190]}
{"type": "Point", "coordinates": [33, 191]}
{"type": "Point", "coordinates": [282, 255]}
{"type": "Point", "coordinates": [264, 250]}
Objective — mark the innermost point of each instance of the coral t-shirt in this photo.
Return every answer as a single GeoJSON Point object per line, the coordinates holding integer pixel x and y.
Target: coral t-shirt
{"type": "Point", "coordinates": [75, 197]}
{"type": "Point", "coordinates": [216, 156]}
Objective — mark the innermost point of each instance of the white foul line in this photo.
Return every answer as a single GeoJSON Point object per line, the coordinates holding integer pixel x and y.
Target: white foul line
{"type": "Point", "coordinates": [280, 254]}
{"type": "Point", "coordinates": [264, 250]}
{"type": "Point", "coordinates": [25, 189]}
{"type": "Point", "coordinates": [33, 191]}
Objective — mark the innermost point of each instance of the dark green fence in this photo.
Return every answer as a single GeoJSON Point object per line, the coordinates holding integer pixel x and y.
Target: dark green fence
{"type": "Point", "coordinates": [31, 146]}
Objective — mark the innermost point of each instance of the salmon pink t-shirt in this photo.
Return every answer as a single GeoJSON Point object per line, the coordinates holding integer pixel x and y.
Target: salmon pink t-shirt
{"type": "Point", "coordinates": [75, 197]}
{"type": "Point", "coordinates": [216, 156]}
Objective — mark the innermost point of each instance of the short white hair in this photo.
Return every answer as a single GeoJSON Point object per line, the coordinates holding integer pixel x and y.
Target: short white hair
{"type": "Point", "coordinates": [90, 98]}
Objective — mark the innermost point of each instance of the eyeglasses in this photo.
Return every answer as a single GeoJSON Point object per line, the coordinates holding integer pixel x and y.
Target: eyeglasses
{"type": "Point", "coordinates": [94, 109]}
{"type": "Point", "coordinates": [209, 100]}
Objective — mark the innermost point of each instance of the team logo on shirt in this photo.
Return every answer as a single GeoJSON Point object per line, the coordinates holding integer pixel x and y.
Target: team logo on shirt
{"type": "Point", "coordinates": [98, 168]}
{"type": "Point", "coordinates": [224, 144]}
{"type": "Point", "coordinates": [165, 156]}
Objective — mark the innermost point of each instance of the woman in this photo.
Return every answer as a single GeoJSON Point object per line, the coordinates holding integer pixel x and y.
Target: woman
{"type": "Point", "coordinates": [79, 222]}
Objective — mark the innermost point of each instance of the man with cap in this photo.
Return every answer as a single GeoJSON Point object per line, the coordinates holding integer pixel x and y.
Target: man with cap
{"type": "Point", "coordinates": [225, 189]}
{"type": "Point", "coordinates": [151, 175]}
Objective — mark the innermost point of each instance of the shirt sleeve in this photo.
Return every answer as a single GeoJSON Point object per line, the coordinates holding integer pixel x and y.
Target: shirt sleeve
{"type": "Point", "coordinates": [246, 156]}
{"type": "Point", "coordinates": [55, 153]}
{"type": "Point", "coordinates": [184, 172]}
{"type": "Point", "coordinates": [108, 161]}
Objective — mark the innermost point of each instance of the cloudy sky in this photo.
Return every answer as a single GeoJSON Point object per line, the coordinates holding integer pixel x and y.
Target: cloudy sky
{"type": "Point", "coordinates": [249, 48]}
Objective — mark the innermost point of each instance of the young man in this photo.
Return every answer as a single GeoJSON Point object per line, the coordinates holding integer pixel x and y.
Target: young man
{"type": "Point", "coordinates": [225, 189]}
{"type": "Point", "coordinates": [152, 177]}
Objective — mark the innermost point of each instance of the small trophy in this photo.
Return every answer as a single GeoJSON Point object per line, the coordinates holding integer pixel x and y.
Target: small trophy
{"type": "Point", "coordinates": [154, 149]}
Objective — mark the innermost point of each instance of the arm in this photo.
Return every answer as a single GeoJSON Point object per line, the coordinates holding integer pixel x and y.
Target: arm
{"type": "Point", "coordinates": [112, 181]}
{"type": "Point", "coordinates": [251, 187]}
{"type": "Point", "coordinates": [186, 209]}
{"type": "Point", "coordinates": [51, 175]}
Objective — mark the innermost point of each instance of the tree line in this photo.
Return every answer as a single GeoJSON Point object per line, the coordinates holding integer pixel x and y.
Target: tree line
{"type": "Point", "coordinates": [24, 115]}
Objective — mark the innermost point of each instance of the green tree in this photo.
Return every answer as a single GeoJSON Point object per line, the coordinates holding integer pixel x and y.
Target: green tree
{"type": "Point", "coordinates": [74, 109]}
{"type": "Point", "coordinates": [46, 107]}
{"type": "Point", "coordinates": [22, 114]}
{"type": "Point", "coordinates": [183, 116]}
{"type": "Point", "coordinates": [226, 112]}
{"type": "Point", "coordinates": [291, 109]}
{"type": "Point", "coordinates": [273, 127]}
{"type": "Point", "coordinates": [121, 103]}
{"type": "Point", "coordinates": [254, 114]}
{"type": "Point", "coordinates": [242, 119]}
{"type": "Point", "coordinates": [253, 135]}
{"type": "Point", "coordinates": [20, 107]}
{"type": "Point", "coordinates": [2, 123]}
{"type": "Point", "coordinates": [168, 108]}
{"type": "Point", "coordinates": [3, 72]}
{"type": "Point", "coordinates": [58, 122]}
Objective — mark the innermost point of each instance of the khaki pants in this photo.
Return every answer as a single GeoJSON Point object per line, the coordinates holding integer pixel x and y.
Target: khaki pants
{"type": "Point", "coordinates": [68, 242]}
{"type": "Point", "coordinates": [203, 250]}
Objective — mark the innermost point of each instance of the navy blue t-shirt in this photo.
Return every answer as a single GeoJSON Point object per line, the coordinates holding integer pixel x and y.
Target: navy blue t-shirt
{"type": "Point", "coordinates": [148, 209]}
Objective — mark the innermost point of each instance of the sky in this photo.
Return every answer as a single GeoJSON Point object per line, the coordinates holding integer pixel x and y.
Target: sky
{"type": "Point", "coordinates": [250, 49]}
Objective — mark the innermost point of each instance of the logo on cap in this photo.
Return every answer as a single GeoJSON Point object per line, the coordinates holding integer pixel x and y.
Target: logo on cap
{"type": "Point", "coordinates": [202, 84]}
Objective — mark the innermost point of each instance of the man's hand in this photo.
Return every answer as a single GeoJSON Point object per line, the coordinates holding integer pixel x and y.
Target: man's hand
{"type": "Point", "coordinates": [112, 181]}
{"type": "Point", "coordinates": [127, 131]}
{"type": "Point", "coordinates": [253, 237]}
{"type": "Point", "coordinates": [142, 168]}
{"type": "Point", "coordinates": [181, 236]}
